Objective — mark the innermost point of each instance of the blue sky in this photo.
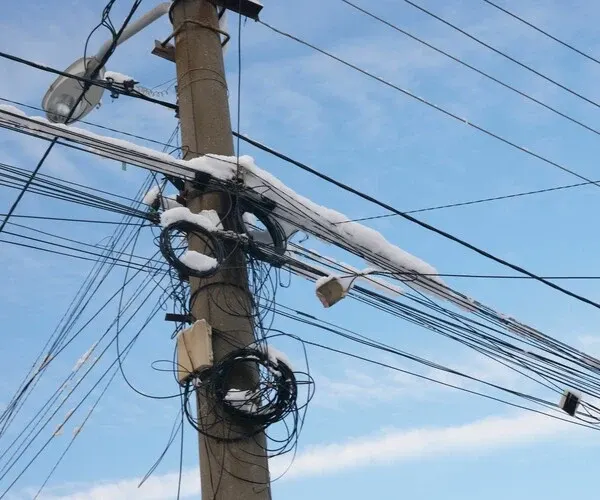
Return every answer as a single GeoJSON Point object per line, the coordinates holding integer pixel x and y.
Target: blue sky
{"type": "Point", "coordinates": [368, 431]}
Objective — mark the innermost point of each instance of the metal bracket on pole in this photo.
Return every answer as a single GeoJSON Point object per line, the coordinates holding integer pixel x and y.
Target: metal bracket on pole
{"type": "Point", "coordinates": [166, 51]}
{"type": "Point", "coordinates": [247, 8]}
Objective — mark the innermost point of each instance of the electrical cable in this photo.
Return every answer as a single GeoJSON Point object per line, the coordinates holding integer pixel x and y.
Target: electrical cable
{"type": "Point", "coordinates": [430, 104]}
{"type": "Point", "coordinates": [543, 32]}
{"type": "Point", "coordinates": [425, 225]}
{"type": "Point", "coordinates": [259, 145]}
{"type": "Point", "coordinates": [446, 384]}
{"type": "Point", "coordinates": [503, 54]}
{"type": "Point", "coordinates": [70, 444]}
{"type": "Point", "coordinates": [87, 81]}
{"type": "Point", "coordinates": [54, 141]}
{"type": "Point", "coordinates": [44, 446]}
{"type": "Point", "coordinates": [79, 304]}
{"type": "Point", "coordinates": [473, 334]}
{"type": "Point", "coordinates": [477, 201]}
{"type": "Point", "coordinates": [138, 293]}
{"type": "Point", "coordinates": [471, 67]}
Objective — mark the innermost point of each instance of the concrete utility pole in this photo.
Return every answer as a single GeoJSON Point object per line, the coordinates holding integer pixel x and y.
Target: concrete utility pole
{"type": "Point", "coordinates": [234, 470]}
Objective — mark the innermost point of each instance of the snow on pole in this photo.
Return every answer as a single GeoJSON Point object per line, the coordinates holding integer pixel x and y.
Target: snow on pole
{"type": "Point", "coordinates": [118, 77]}
{"type": "Point", "coordinates": [275, 355]}
{"type": "Point", "coordinates": [151, 196]}
{"type": "Point", "coordinates": [198, 261]}
{"type": "Point", "coordinates": [204, 219]}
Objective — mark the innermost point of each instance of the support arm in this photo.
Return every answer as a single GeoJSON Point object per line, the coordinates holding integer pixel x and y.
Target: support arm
{"type": "Point", "coordinates": [135, 27]}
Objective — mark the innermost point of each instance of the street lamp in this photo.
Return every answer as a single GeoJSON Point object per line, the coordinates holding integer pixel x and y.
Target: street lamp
{"type": "Point", "coordinates": [66, 92]}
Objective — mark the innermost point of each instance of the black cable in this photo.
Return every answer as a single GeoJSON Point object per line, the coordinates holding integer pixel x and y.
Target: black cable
{"type": "Point", "coordinates": [176, 231]}
{"type": "Point", "coordinates": [422, 224]}
{"type": "Point", "coordinates": [48, 178]}
{"type": "Point", "coordinates": [478, 201]}
{"type": "Point", "coordinates": [473, 68]}
{"type": "Point", "coordinates": [28, 182]}
{"type": "Point", "coordinates": [483, 276]}
{"type": "Point", "coordinates": [117, 261]}
{"type": "Point", "coordinates": [92, 124]}
{"type": "Point", "coordinates": [463, 389]}
{"type": "Point", "coordinates": [430, 104]}
{"type": "Point", "coordinates": [68, 447]}
{"type": "Point", "coordinates": [484, 339]}
{"type": "Point", "coordinates": [543, 32]}
{"type": "Point", "coordinates": [67, 219]}
{"type": "Point", "coordinates": [65, 325]}
{"type": "Point", "coordinates": [87, 81]}
{"type": "Point", "coordinates": [503, 54]}
{"type": "Point", "coordinates": [56, 395]}
{"type": "Point", "coordinates": [13, 177]}
{"type": "Point", "coordinates": [5, 492]}
{"type": "Point", "coordinates": [53, 142]}
{"type": "Point", "coordinates": [257, 144]}
{"type": "Point", "coordinates": [136, 295]}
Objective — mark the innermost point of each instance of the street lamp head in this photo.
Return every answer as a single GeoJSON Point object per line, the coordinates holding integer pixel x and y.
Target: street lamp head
{"type": "Point", "coordinates": [65, 93]}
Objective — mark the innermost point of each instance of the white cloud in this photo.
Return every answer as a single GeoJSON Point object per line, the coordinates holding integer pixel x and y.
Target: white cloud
{"type": "Point", "coordinates": [488, 435]}
{"type": "Point", "coordinates": [156, 488]}
{"type": "Point", "coordinates": [365, 388]}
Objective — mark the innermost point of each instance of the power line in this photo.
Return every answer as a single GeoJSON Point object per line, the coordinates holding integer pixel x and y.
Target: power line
{"type": "Point", "coordinates": [90, 82]}
{"type": "Point", "coordinates": [92, 124]}
{"type": "Point", "coordinates": [116, 261]}
{"type": "Point", "coordinates": [85, 88]}
{"type": "Point", "coordinates": [471, 67]}
{"type": "Point", "coordinates": [258, 144]}
{"type": "Point", "coordinates": [70, 240]}
{"type": "Point", "coordinates": [67, 219]}
{"type": "Point", "coordinates": [503, 54]}
{"type": "Point", "coordinates": [543, 32]}
{"type": "Point", "coordinates": [430, 104]}
{"type": "Point", "coordinates": [153, 313]}
{"type": "Point", "coordinates": [74, 310]}
{"type": "Point", "coordinates": [477, 201]}
{"type": "Point", "coordinates": [440, 382]}
{"type": "Point", "coordinates": [422, 224]}
{"type": "Point", "coordinates": [13, 177]}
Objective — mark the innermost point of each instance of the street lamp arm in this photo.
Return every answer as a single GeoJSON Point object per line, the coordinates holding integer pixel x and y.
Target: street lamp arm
{"type": "Point", "coordinates": [134, 28]}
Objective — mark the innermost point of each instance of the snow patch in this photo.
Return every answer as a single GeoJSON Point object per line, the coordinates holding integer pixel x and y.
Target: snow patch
{"type": "Point", "coordinates": [242, 400]}
{"type": "Point", "coordinates": [151, 196]}
{"type": "Point", "coordinates": [214, 217]}
{"type": "Point", "coordinates": [118, 77]}
{"type": "Point", "coordinates": [250, 221]}
{"type": "Point", "coordinates": [219, 167]}
{"type": "Point", "coordinates": [322, 222]}
{"type": "Point", "coordinates": [11, 109]}
{"type": "Point", "coordinates": [169, 202]}
{"type": "Point", "coordinates": [318, 220]}
{"type": "Point", "coordinates": [183, 213]}
{"type": "Point", "coordinates": [81, 361]}
{"type": "Point", "coordinates": [322, 280]}
{"type": "Point", "coordinates": [275, 355]}
{"type": "Point", "coordinates": [198, 261]}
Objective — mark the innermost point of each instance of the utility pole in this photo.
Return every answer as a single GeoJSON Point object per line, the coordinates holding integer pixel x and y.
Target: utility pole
{"type": "Point", "coordinates": [229, 470]}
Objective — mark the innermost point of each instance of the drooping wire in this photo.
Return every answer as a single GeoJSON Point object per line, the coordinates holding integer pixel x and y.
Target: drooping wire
{"type": "Point", "coordinates": [471, 67]}
{"type": "Point", "coordinates": [86, 87]}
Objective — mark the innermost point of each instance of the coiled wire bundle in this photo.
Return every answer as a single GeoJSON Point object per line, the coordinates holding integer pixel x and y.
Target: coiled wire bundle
{"type": "Point", "coordinates": [173, 244]}
{"type": "Point", "coordinates": [271, 399]}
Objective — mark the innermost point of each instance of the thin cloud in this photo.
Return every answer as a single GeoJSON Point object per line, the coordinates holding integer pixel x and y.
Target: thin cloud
{"type": "Point", "coordinates": [488, 435]}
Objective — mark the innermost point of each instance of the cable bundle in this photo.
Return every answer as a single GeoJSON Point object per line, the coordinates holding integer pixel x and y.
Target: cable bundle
{"type": "Point", "coordinates": [173, 241]}
{"type": "Point", "coordinates": [272, 397]}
